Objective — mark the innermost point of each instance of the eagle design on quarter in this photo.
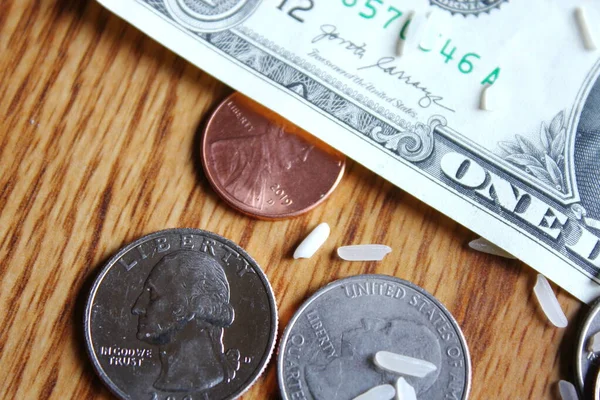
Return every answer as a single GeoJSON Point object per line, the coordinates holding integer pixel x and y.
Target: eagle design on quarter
{"type": "Point", "coordinates": [184, 309]}
{"type": "Point", "coordinates": [468, 7]}
{"type": "Point", "coordinates": [210, 15]}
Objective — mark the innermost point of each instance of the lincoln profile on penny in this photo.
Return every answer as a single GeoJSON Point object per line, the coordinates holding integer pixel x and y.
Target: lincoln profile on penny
{"type": "Point", "coordinates": [184, 309]}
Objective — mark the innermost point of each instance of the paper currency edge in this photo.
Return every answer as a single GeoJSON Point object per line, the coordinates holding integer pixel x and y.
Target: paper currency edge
{"type": "Point", "coordinates": [410, 179]}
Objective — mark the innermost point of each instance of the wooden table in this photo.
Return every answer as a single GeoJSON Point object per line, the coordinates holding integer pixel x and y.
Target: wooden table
{"type": "Point", "coordinates": [99, 133]}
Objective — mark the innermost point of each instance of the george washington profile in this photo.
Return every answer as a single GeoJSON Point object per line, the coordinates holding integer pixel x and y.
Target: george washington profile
{"type": "Point", "coordinates": [184, 309]}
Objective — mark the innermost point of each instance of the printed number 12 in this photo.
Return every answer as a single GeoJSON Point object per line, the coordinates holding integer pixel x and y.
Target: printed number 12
{"type": "Point", "coordinates": [292, 12]}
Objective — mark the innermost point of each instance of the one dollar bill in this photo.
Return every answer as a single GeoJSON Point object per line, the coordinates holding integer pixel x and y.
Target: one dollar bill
{"type": "Point", "coordinates": [525, 175]}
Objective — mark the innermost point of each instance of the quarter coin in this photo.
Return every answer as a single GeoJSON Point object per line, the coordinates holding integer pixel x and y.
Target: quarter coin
{"type": "Point", "coordinates": [327, 350]}
{"type": "Point", "coordinates": [264, 166]}
{"type": "Point", "coordinates": [180, 314]}
{"type": "Point", "coordinates": [587, 364]}
{"type": "Point", "coordinates": [597, 387]}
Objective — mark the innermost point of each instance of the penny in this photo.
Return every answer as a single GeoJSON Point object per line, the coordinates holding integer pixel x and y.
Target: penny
{"type": "Point", "coordinates": [263, 165]}
{"type": "Point", "coordinates": [180, 314]}
{"type": "Point", "coordinates": [327, 350]}
{"type": "Point", "coordinates": [587, 364]}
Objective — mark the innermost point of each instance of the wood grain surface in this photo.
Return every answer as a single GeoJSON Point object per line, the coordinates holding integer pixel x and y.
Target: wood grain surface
{"type": "Point", "coordinates": [99, 133]}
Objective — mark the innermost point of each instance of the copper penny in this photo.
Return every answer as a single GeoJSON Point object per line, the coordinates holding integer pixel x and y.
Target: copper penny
{"type": "Point", "coordinates": [265, 166]}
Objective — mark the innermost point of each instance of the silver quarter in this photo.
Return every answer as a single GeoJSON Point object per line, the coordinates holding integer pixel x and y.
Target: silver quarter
{"type": "Point", "coordinates": [597, 387]}
{"type": "Point", "coordinates": [180, 314]}
{"type": "Point", "coordinates": [327, 350]}
{"type": "Point", "coordinates": [210, 15]}
{"type": "Point", "coordinates": [587, 364]}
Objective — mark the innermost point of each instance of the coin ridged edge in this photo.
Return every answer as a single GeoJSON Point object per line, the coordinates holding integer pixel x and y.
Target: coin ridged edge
{"type": "Point", "coordinates": [593, 311]}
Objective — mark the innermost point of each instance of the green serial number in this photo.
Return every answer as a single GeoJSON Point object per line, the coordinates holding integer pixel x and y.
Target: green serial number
{"type": "Point", "coordinates": [376, 10]}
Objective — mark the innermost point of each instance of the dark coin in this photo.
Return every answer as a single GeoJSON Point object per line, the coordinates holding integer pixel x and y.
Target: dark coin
{"type": "Point", "coordinates": [263, 165]}
{"type": "Point", "coordinates": [327, 350]}
{"type": "Point", "coordinates": [587, 363]}
{"type": "Point", "coordinates": [180, 314]}
{"type": "Point", "coordinates": [597, 387]}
